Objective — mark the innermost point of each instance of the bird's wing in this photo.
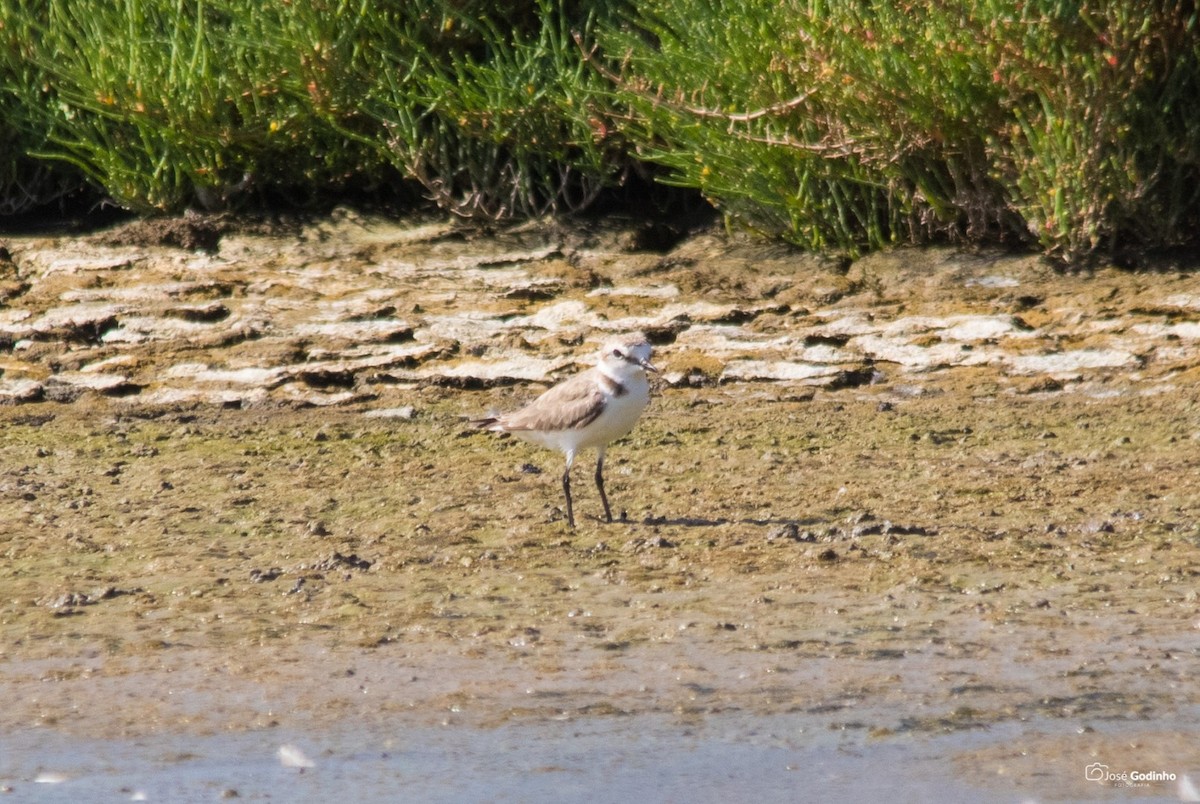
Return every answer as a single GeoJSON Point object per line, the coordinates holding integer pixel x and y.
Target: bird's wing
{"type": "Point", "coordinates": [568, 406]}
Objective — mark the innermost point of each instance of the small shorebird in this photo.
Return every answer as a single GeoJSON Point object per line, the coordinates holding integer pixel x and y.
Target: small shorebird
{"type": "Point", "coordinates": [588, 410]}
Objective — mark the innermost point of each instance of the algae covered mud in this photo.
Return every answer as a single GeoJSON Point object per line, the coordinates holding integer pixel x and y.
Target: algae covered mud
{"type": "Point", "coordinates": [927, 523]}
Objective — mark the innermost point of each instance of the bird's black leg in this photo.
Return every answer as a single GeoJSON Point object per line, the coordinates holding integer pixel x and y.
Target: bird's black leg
{"type": "Point", "coordinates": [567, 492]}
{"type": "Point", "coordinates": [600, 485]}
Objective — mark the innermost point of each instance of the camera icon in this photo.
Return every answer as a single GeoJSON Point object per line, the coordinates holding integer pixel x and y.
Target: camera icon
{"type": "Point", "coordinates": [1096, 772]}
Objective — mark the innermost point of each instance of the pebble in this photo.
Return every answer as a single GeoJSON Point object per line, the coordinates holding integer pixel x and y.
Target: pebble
{"type": "Point", "coordinates": [404, 412]}
{"type": "Point", "coordinates": [50, 777]}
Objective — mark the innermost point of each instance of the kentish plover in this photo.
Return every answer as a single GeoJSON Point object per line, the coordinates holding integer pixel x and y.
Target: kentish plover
{"type": "Point", "coordinates": [591, 409]}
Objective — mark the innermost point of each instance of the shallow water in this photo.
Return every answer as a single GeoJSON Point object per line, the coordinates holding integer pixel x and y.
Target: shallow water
{"type": "Point", "coordinates": [687, 723]}
{"type": "Point", "coordinates": [725, 757]}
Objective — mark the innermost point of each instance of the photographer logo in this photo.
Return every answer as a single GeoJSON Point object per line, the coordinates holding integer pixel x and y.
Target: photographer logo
{"type": "Point", "coordinates": [1099, 772]}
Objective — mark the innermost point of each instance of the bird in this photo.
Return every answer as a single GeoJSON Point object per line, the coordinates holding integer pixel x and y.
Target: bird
{"type": "Point", "coordinates": [589, 410]}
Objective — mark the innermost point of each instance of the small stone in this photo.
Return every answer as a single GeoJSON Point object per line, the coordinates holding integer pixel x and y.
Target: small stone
{"type": "Point", "coordinates": [207, 312]}
{"type": "Point", "coordinates": [788, 530]}
{"type": "Point", "coordinates": [50, 777]}
{"type": "Point", "coordinates": [262, 576]}
{"type": "Point", "coordinates": [18, 391]}
{"type": "Point", "coordinates": [292, 757]}
{"type": "Point", "coordinates": [405, 412]}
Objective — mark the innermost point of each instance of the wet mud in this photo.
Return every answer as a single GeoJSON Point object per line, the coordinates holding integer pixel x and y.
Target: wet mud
{"type": "Point", "coordinates": [938, 503]}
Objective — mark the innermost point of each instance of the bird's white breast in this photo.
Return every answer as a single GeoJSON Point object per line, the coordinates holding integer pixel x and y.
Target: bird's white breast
{"type": "Point", "coordinates": [621, 412]}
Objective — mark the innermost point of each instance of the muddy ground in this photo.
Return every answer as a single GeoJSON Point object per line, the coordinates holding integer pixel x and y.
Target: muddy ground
{"type": "Point", "coordinates": [928, 493]}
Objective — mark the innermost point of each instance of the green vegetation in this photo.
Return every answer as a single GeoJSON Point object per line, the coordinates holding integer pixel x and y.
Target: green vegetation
{"type": "Point", "coordinates": [492, 110]}
{"type": "Point", "coordinates": [166, 103]}
{"type": "Point", "coordinates": [25, 182]}
{"type": "Point", "coordinates": [858, 124]}
{"type": "Point", "coordinates": [844, 125]}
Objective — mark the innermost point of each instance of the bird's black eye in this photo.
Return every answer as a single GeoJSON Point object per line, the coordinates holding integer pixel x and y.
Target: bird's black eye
{"type": "Point", "coordinates": [617, 353]}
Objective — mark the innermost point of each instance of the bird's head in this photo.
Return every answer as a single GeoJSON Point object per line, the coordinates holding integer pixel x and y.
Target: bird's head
{"type": "Point", "coordinates": [621, 354]}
